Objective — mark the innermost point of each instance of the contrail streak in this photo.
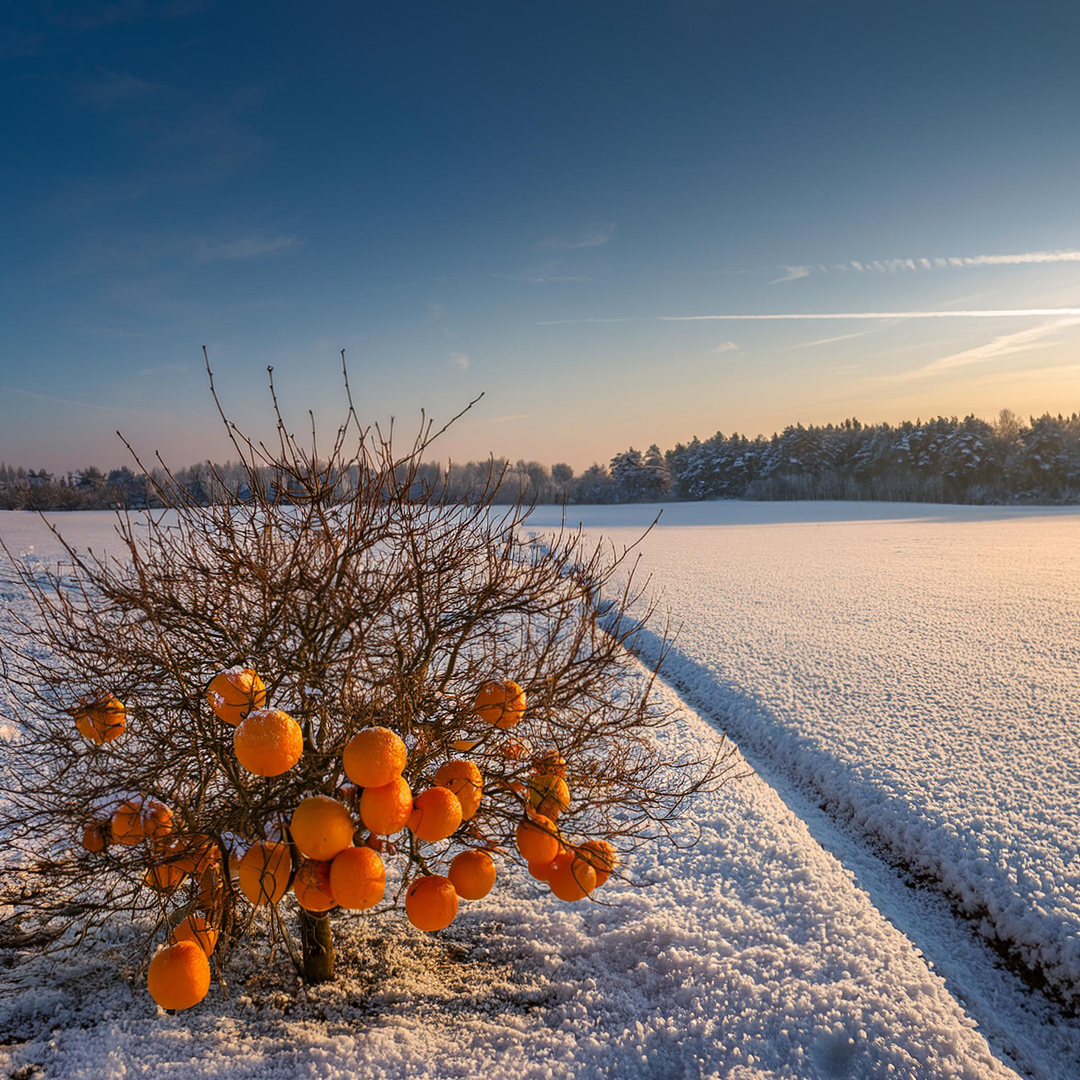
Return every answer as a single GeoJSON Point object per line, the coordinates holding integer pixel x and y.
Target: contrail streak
{"type": "Point", "coordinates": [993, 313]}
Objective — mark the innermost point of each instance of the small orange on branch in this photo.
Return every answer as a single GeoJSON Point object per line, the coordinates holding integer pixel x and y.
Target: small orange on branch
{"type": "Point", "coordinates": [164, 879]}
{"type": "Point", "coordinates": [571, 877]}
{"type": "Point", "coordinates": [194, 853]}
{"type": "Point", "coordinates": [436, 815]}
{"type": "Point", "coordinates": [196, 928]}
{"type": "Point", "coordinates": [265, 872]}
{"type": "Point", "coordinates": [268, 742]}
{"type": "Point", "coordinates": [357, 878]}
{"type": "Point", "coordinates": [232, 694]}
{"type": "Point", "coordinates": [500, 702]}
{"type": "Point", "coordinates": [464, 779]}
{"type": "Point", "coordinates": [538, 839]}
{"type": "Point", "coordinates": [373, 757]}
{"type": "Point", "coordinates": [179, 975]}
{"type": "Point", "coordinates": [136, 820]}
{"type": "Point", "coordinates": [311, 886]}
{"type": "Point", "coordinates": [101, 720]}
{"type": "Point", "coordinates": [548, 795]}
{"type": "Point", "coordinates": [601, 856]}
{"type": "Point", "coordinates": [431, 902]}
{"type": "Point", "coordinates": [551, 763]}
{"type": "Point", "coordinates": [95, 837]}
{"type": "Point", "coordinates": [321, 827]}
{"type": "Point", "coordinates": [472, 874]}
{"type": "Point", "coordinates": [386, 810]}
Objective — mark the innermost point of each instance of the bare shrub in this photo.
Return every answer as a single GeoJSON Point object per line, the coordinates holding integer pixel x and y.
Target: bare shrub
{"type": "Point", "coordinates": [362, 598]}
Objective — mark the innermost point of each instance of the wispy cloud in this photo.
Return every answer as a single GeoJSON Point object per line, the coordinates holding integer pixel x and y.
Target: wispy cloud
{"type": "Point", "coordinates": [78, 15]}
{"type": "Point", "coordinates": [594, 236]}
{"type": "Point", "coordinates": [1004, 345]}
{"type": "Point", "coordinates": [114, 332]}
{"type": "Point", "coordinates": [460, 361]}
{"type": "Point", "coordinates": [244, 247]}
{"type": "Point", "coordinates": [15, 42]}
{"type": "Point", "coordinates": [725, 346]}
{"type": "Point", "coordinates": [99, 253]}
{"type": "Point", "coordinates": [552, 270]}
{"type": "Point", "coordinates": [990, 313]}
{"type": "Point", "coordinates": [571, 322]}
{"type": "Point", "coordinates": [435, 310]}
{"type": "Point", "coordinates": [791, 273]}
{"type": "Point", "coordinates": [496, 420]}
{"type": "Point", "coordinates": [952, 262]}
{"type": "Point", "coordinates": [33, 395]}
{"type": "Point", "coordinates": [829, 340]}
{"type": "Point", "coordinates": [173, 141]}
{"type": "Point", "coordinates": [146, 371]}
{"type": "Point", "coordinates": [1028, 374]}
{"type": "Point", "coordinates": [209, 142]}
{"type": "Point", "coordinates": [113, 87]}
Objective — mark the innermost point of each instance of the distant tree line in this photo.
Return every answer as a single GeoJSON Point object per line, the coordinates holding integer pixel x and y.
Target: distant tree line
{"type": "Point", "coordinates": [944, 459]}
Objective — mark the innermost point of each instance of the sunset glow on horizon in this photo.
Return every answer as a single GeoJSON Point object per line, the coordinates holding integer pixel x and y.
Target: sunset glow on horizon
{"type": "Point", "coordinates": [689, 223]}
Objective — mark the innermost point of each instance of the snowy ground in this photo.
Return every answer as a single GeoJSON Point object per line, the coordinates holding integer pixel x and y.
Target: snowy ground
{"type": "Point", "coordinates": [922, 672]}
{"type": "Point", "coordinates": [756, 954]}
{"type": "Point", "coordinates": [915, 670]}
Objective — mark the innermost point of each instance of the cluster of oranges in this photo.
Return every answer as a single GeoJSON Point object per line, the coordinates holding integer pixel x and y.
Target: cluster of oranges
{"type": "Point", "coordinates": [324, 856]}
{"type": "Point", "coordinates": [571, 872]}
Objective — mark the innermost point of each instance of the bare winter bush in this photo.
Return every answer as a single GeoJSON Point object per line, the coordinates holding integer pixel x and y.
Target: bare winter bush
{"type": "Point", "coordinates": [361, 599]}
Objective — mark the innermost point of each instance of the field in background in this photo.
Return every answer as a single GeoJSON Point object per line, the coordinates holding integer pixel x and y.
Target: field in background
{"type": "Point", "coordinates": [869, 652]}
{"type": "Point", "coordinates": [916, 666]}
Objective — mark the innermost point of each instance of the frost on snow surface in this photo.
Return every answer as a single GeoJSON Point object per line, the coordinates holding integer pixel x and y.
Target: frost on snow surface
{"type": "Point", "coordinates": [918, 667]}
{"type": "Point", "coordinates": [752, 955]}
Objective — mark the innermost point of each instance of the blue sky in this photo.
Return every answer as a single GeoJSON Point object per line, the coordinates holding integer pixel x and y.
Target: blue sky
{"type": "Point", "coordinates": [527, 200]}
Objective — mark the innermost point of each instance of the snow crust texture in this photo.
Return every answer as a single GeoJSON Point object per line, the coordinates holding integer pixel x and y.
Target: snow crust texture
{"type": "Point", "coordinates": [916, 666]}
{"type": "Point", "coordinates": [754, 955]}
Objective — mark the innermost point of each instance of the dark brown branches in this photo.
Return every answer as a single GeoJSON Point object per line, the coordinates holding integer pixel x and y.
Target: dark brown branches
{"type": "Point", "coordinates": [363, 596]}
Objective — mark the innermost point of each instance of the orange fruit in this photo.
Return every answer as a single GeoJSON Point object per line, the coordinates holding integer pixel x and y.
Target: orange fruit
{"type": "Point", "coordinates": [321, 827]}
{"type": "Point", "coordinates": [179, 975]}
{"type": "Point", "coordinates": [311, 886]}
{"type": "Point", "coordinates": [264, 872]}
{"type": "Point", "coordinates": [194, 853]}
{"type": "Point", "coordinates": [601, 856]}
{"type": "Point", "coordinates": [500, 702]}
{"type": "Point", "coordinates": [431, 902]}
{"type": "Point", "coordinates": [374, 757]}
{"type": "Point", "coordinates": [472, 873]}
{"type": "Point", "coordinates": [386, 810]}
{"type": "Point", "coordinates": [101, 720]}
{"type": "Point", "coordinates": [357, 878]}
{"type": "Point", "coordinates": [463, 778]}
{"type": "Point", "coordinates": [436, 814]}
{"type": "Point", "coordinates": [136, 820]}
{"type": "Point", "coordinates": [571, 878]}
{"type": "Point", "coordinates": [234, 693]}
{"type": "Point", "coordinates": [164, 879]}
{"type": "Point", "coordinates": [541, 870]}
{"type": "Point", "coordinates": [268, 742]}
{"type": "Point", "coordinates": [538, 839]}
{"type": "Point", "coordinates": [196, 928]}
{"type": "Point", "coordinates": [514, 750]}
{"type": "Point", "coordinates": [465, 745]}
{"type": "Point", "coordinates": [550, 764]}
{"type": "Point", "coordinates": [548, 795]}
{"type": "Point", "coordinates": [93, 837]}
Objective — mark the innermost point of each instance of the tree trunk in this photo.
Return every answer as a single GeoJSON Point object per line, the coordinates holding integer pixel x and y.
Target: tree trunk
{"type": "Point", "coordinates": [317, 939]}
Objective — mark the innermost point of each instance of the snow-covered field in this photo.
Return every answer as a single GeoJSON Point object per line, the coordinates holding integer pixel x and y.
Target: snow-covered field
{"type": "Point", "coordinates": [916, 668]}
{"type": "Point", "coordinates": [756, 954]}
